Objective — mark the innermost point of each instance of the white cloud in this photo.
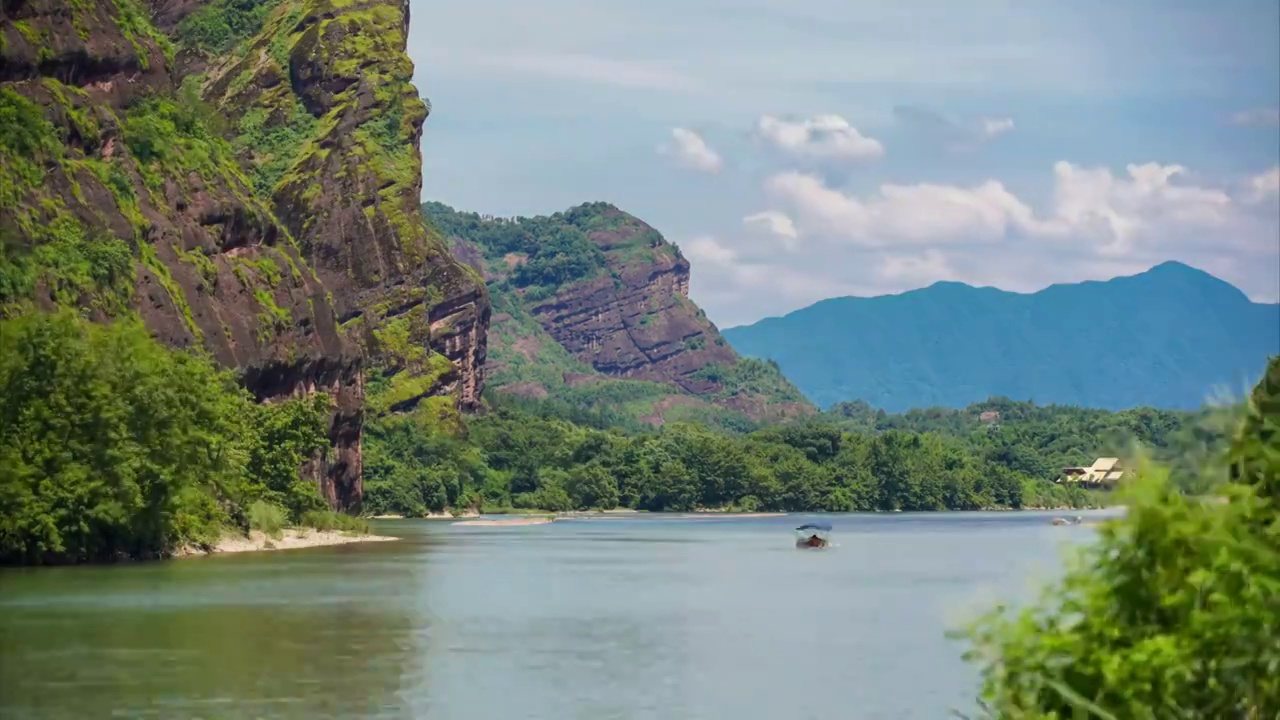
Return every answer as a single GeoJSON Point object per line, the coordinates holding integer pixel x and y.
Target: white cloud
{"type": "Point", "coordinates": [993, 127]}
{"type": "Point", "coordinates": [1259, 117]}
{"type": "Point", "coordinates": [916, 270]}
{"type": "Point", "coordinates": [747, 288]}
{"type": "Point", "coordinates": [693, 152]}
{"type": "Point", "coordinates": [901, 214]}
{"type": "Point", "coordinates": [1151, 206]}
{"type": "Point", "coordinates": [1148, 207]}
{"type": "Point", "coordinates": [709, 250]}
{"type": "Point", "coordinates": [777, 224]}
{"type": "Point", "coordinates": [1094, 225]}
{"type": "Point", "coordinates": [826, 137]}
{"type": "Point", "coordinates": [1264, 186]}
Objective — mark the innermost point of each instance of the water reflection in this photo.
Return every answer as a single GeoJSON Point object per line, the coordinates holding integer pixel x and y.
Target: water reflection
{"type": "Point", "coordinates": [320, 634]}
{"type": "Point", "coordinates": [633, 619]}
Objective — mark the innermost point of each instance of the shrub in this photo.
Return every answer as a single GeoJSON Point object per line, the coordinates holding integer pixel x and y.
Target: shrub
{"type": "Point", "coordinates": [1173, 613]}
{"type": "Point", "coordinates": [327, 520]}
{"type": "Point", "coordinates": [267, 518]}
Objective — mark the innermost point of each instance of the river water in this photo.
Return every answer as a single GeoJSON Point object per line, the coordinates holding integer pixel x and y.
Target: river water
{"type": "Point", "coordinates": [628, 618]}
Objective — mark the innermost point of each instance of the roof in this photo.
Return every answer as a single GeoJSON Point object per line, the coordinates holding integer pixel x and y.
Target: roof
{"type": "Point", "coordinates": [1105, 464]}
{"type": "Point", "coordinates": [815, 526]}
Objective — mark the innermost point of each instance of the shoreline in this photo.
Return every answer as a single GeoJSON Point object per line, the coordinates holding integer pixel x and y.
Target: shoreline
{"type": "Point", "coordinates": [290, 539]}
{"type": "Point", "coordinates": [506, 522]}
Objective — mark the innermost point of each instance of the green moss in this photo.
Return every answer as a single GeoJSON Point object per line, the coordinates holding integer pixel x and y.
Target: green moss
{"type": "Point", "coordinates": [81, 17]}
{"type": "Point", "coordinates": [28, 33]}
{"type": "Point", "coordinates": [173, 138]}
{"type": "Point", "coordinates": [241, 80]}
{"type": "Point", "coordinates": [220, 25]}
{"type": "Point", "coordinates": [135, 25]}
{"type": "Point", "coordinates": [161, 272]}
{"type": "Point", "coordinates": [295, 272]}
{"type": "Point", "coordinates": [384, 393]}
{"type": "Point", "coordinates": [403, 339]}
{"type": "Point", "coordinates": [270, 149]}
{"type": "Point", "coordinates": [115, 178]}
{"type": "Point", "coordinates": [283, 39]}
{"type": "Point", "coordinates": [80, 120]}
{"type": "Point", "coordinates": [273, 319]}
{"type": "Point", "coordinates": [204, 266]}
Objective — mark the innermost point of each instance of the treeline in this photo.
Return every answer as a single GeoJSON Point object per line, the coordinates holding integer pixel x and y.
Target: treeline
{"type": "Point", "coordinates": [554, 248]}
{"type": "Point", "coordinates": [114, 446]}
{"type": "Point", "coordinates": [521, 455]}
{"type": "Point", "coordinates": [1173, 613]}
{"type": "Point", "coordinates": [1039, 441]}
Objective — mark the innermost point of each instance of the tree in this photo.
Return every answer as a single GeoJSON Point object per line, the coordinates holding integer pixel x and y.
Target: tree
{"type": "Point", "coordinates": [1173, 613]}
{"type": "Point", "coordinates": [111, 444]}
{"type": "Point", "coordinates": [591, 486]}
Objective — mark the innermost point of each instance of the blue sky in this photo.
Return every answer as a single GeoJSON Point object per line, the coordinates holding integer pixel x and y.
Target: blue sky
{"type": "Point", "coordinates": [800, 150]}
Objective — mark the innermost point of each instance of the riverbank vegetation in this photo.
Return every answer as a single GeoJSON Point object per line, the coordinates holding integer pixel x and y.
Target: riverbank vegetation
{"type": "Point", "coordinates": [113, 446]}
{"type": "Point", "coordinates": [556, 456]}
{"type": "Point", "coordinates": [1173, 613]}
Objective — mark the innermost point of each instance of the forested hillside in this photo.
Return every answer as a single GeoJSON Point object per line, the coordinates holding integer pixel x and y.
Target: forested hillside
{"type": "Point", "coordinates": [546, 454]}
{"type": "Point", "coordinates": [591, 307]}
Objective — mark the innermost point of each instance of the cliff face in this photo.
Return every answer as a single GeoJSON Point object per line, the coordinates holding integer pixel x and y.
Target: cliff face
{"type": "Point", "coordinates": [594, 294]}
{"type": "Point", "coordinates": [636, 322]}
{"type": "Point", "coordinates": [330, 125]}
{"type": "Point", "coordinates": [297, 258]}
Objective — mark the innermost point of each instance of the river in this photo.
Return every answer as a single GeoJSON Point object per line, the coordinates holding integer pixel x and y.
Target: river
{"type": "Point", "coordinates": [667, 618]}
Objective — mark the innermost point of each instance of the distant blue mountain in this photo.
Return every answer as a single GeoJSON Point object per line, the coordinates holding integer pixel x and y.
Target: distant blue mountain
{"type": "Point", "coordinates": [1170, 337]}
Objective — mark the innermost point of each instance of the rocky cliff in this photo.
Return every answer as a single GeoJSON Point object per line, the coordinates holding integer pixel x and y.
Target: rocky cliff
{"type": "Point", "coordinates": [245, 178]}
{"type": "Point", "coordinates": [593, 294]}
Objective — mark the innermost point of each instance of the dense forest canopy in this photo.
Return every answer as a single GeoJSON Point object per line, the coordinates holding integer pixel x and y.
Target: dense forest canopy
{"type": "Point", "coordinates": [112, 445]}
{"type": "Point", "coordinates": [555, 455]}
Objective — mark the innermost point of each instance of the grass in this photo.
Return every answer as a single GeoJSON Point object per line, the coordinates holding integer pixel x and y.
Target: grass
{"type": "Point", "coordinates": [268, 519]}
{"type": "Point", "coordinates": [272, 520]}
{"type": "Point", "coordinates": [327, 521]}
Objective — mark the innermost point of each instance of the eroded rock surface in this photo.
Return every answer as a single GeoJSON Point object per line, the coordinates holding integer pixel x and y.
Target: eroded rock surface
{"type": "Point", "coordinates": [264, 209]}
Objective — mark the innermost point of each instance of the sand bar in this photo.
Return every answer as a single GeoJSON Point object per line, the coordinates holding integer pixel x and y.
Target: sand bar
{"type": "Point", "coordinates": [507, 522]}
{"type": "Point", "coordinates": [290, 539]}
{"type": "Point", "coordinates": [724, 514]}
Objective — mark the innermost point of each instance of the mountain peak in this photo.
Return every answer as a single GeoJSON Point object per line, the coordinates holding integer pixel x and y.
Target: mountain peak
{"type": "Point", "coordinates": [1166, 337]}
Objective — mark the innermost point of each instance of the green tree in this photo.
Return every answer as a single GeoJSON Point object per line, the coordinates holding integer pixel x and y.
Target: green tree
{"type": "Point", "coordinates": [1173, 613]}
{"type": "Point", "coordinates": [111, 445]}
{"type": "Point", "coordinates": [591, 486]}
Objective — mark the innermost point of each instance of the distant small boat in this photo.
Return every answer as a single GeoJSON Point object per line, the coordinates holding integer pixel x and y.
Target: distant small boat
{"type": "Point", "coordinates": [1068, 521]}
{"type": "Point", "coordinates": [813, 535]}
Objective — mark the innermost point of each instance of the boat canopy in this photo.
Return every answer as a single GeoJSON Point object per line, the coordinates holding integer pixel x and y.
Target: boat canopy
{"type": "Point", "coordinates": [825, 527]}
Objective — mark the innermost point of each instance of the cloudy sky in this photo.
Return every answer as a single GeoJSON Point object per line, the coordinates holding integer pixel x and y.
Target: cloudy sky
{"type": "Point", "coordinates": [803, 149]}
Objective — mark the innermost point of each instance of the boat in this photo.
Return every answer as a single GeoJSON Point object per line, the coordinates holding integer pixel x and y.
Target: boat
{"type": "Point", "coordinates": [1068, 521]}
{"type": "Point", "coordinates": [813, 535]}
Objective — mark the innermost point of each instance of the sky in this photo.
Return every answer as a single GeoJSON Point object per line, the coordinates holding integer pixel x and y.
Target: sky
{"type": "Point", "coordinates": [797, 150]}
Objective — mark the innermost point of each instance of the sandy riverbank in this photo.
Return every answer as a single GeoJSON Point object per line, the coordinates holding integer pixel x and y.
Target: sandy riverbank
{"type": "Point", "coordinates": [290, 539]}
{"type": "Point", "coordinates": [728, 513]}
{"type": "Point", "coordinates": [507, 522]}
